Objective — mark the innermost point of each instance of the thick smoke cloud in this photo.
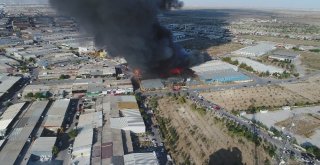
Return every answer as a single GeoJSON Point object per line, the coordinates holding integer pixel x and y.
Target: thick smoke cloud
{"type": "Point", "coordinates": [130, 29]}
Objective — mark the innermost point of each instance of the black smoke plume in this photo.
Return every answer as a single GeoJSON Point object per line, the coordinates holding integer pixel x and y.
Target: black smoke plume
{"type": "Point", "coordinates": [130, 29]}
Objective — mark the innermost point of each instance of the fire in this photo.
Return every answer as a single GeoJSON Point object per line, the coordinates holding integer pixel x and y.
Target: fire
{"type": "Point", "coordinates": [176, 71]}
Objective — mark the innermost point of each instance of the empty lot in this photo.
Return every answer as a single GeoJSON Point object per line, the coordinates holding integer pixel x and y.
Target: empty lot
{"type": "Point", "coordinates": [242, 99]}
{"type": "Point", "coordinates": [203, 139]}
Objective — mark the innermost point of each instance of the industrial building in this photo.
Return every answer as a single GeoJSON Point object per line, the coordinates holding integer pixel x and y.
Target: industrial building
{"type": "Point", "coordinates": [42, 148]}
{"type": "Point", "coordinates": [56, 115]}
{"type": "Point", "coordinates": [283, 56]}
{"type": "Point", "coordinates": [90, 120]}
{"type": "Point", "coordinates": [259, 67]}
{"type": "Point", "coordinates": [8, 118]}
{"type": "Point", "coordinates": [82, 147]}
{"type": "Point", "coordinates": [6, 83]}
{"type": "Point", "coordinates": [223, 76]}
{"type": "Point", "coordinates": [213, 65]}
{"type": "Point", "coordinates": [132, 121]}
{"type": "Point", "coordinates": [151, 84]}
{"type": "Point", "coordinates": [21, 133]}
{"type": "Point", "coordinates": [219, 71]}
{"type": "Point", "coordinates": [140, 158]}
{"type": "Point", "coordinates": [254, 51]}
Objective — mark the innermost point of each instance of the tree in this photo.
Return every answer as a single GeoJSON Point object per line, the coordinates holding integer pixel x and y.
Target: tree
{"type": "Point", "coordinates": [39, 95]}
{"type": "Point", "coordinates": [55, 150]}
{"type": "Point", "coordinates": [267, 73]}
{"type": "Point", "coordinates": [73, 134]}
{"type": "Point", "coordinates": [29, 95]}
{"type": "Point", "coordinates": [32, 60]}
{"type": "Point", "coordinates": [64, 77]}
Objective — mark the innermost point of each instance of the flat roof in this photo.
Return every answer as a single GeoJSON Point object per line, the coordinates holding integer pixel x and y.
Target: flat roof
{"type": "Point", "coordinates": [59, 107]}
{"type": "Point", "coordinates": [140, 159]}
{"type": "Point", "coordinates": [90, 120]}
{"type": "Point", "coordinates": [10, 114]}
{"type": "Point", "coordinates": [43, 146]}
{"type": "Point", "coordinates": [19, 136]}
{"type": "Point", "coordinates": [7, 82]}
{"type": "Point", "coordinates": [152, 83]}
{"type": "Point", "coordinates": [83, 141]}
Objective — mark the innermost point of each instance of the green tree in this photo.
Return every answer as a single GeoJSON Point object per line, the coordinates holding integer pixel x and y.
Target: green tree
{"type": "Point", "coordinates": [29, 95]}
{"type": "Point", "coordinates": [73, 134]}
{"type": "Point", "coordinates": [64, 77]}
{"type": "Point", "coordinates": [55, 150]}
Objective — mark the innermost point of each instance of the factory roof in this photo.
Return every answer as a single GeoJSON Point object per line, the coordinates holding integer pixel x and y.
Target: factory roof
{"type": "Point", "coordinates": [140, 159]}
{"type": "Point", "coordinates": [42, 146]}
{"type": "Point", "coordinates": [90, 120]}
{"type": "Point", "coordinates": [152, 83]}
{"type": "Point", "coordinates": [6, 82]}
{"type": "Point", "coordinates": [213, 65]}
{"type": "Point", "coordinates": [223, 76]}
{"type": "Point", "coordinates": [132, 121]}
{"type": "Point", "coordinates": [19, 135]}
{"type": "Point", "coordinates": [260, 49]}
{"type": "Point", "coordinates": [10, 114]}
{"type": "Point", "coordinates": [83, 141]}
{"type": "Point", "coordinates": [59, 107]}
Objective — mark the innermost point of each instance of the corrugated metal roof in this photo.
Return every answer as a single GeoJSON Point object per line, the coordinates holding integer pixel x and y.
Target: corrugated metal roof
{"type": "Point", "coordinates": [9, 115]}
{"type": "Point", "coordinates": [140, 159]}
{"type": "Point", "coordinates": [43, 146]}
{"type": "Point", "coordinates": [59, 107]}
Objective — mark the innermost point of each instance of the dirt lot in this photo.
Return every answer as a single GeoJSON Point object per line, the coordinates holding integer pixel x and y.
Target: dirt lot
{"type": "Point", "coordinates": [309, 89]}
{"type": "Point", "coordinates": [305, 124]}
{"type": "Point", "coordinates": [204, 139]}
{"type": "Point", "coordinates": [128, 105]}
{"type": "Point", "coordinates": [310, 60]}
{"type": "Point", "coordinates": [223, 49]}
{"type": "Point", "coordinates": [268, 96]}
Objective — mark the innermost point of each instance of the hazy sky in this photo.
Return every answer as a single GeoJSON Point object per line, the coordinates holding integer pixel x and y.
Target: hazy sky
{"type": "Point", "coordinates": [288, 4]}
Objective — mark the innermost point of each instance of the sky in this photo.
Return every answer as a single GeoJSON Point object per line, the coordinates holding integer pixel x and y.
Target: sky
{"type": "Point", "coordinates": [269, 4]}
{"type": "Point", "coordinates": [277, 4]}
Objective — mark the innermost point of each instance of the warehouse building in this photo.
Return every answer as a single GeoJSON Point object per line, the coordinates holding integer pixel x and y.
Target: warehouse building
{"type": "Point", "coordinates": [42, 148]}
{"type": "Point", "coordinates": [56, 115]}
{"type": "Point", "coordinates": [259, 67]}
{"type": "Point", "coordinates": [213, 65]}
{"type": "Point", "coordinates": [9, 117]}
{"type": "Point", "coordinates": [7, 83]}
{"type": "Point", "coordinates": [219, 71]}
{"type": "Point", "coordinates": [255, 51]}
{"type": "Point", "coordinates": [284, 56]}
{"type": "Point", "coordinates": [140, 159]}
{"type": "Point", "coordinates": [224, 76]}
{"type": "Point", "coordinates": [82, 147]}
{"type": "Point", "coordinates": [21, 133]}
{"type": "Point", "coordinates": [151, 84]}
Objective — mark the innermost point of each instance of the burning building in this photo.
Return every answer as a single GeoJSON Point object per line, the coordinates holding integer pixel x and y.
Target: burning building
{"type": "Point", "coordinates": [130, 29]}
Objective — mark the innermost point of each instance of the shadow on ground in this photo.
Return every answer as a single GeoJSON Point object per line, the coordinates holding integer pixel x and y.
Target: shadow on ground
{"type": "Point", "coordinates": [230, 156]}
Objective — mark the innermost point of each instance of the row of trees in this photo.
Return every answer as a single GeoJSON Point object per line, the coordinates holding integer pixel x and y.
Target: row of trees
{"type": "Point", "coordinates": [38, 95]}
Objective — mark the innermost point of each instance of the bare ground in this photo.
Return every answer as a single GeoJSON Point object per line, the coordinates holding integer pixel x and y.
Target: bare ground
{"type": "Point", "coordinates": [305, 124]}
{"type": "Point", "coordinates": [242, 99]}
{"type": "Point", "coordinates": [204, 139]}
